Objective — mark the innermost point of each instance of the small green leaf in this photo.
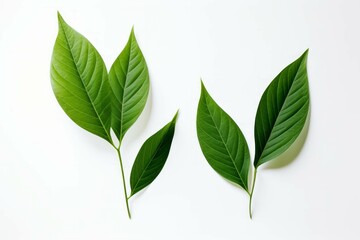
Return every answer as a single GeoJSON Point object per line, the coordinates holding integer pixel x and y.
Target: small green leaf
{"type": "Point", "coordinates": [152, 157]}
{"type": "Point", "coordinates": [222, 141]}
{"type": "Point", "coordinates": [80, 81]}
{"type": "Point", "coordinates": [129, 80]}
{"type": "Point", "coordinates": [282, 112]}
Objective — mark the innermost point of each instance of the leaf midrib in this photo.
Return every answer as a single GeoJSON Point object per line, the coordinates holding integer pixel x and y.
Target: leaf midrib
{"type": "Point", "coordinates": [237, 170]}
{"type": "Point", "coordinates": [125, 86]}
{"type": "Point", "coordinates": [82, 81]}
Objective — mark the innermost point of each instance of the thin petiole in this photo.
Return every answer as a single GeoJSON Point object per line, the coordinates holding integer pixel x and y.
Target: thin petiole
{"type": "Point", "coordinates": [251, 194]}
{"type": "Point", "coordinates": [124, 183]}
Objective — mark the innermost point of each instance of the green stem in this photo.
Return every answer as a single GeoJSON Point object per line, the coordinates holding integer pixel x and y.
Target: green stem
{"type": "Point", "coordinates": [252, 192]}
{"type": "Point", "coordinates": [124, 184]}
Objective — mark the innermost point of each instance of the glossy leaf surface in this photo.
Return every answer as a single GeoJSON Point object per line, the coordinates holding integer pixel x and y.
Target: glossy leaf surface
{"type": "Point", "coordinates": [152, 157]}
{"type": "Point", "coordinates": [282, 112]}
{"type": "Point", "coordinates": [129, 80]}
{"type": "Point", "coordinates": [222, 141]}
{"type": "Point", "coordinates": [80, 81]}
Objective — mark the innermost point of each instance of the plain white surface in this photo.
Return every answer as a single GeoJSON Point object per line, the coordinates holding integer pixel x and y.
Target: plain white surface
{"type": "Point", "coordinates": [58, 181]}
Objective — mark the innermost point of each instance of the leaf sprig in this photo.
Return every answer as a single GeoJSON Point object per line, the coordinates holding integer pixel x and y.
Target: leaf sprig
{"type": "Point", "coordinates": [280, 117]}
{"type": "Point", "coordinates": [99, 101]}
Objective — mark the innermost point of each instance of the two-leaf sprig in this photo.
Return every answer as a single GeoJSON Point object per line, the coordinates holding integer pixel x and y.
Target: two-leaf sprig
{"type": "Point", "coordinates": [280, 117]}
{"type": "Point", "coordinates": [99, 101]}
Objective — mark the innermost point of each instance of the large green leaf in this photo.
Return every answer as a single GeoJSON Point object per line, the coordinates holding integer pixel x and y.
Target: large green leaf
{"type": "Point", "coordinates": [129, 80]}
{"type": "Point", "coordinates": [282, 112]}
{"type": "Point", "coordinates": [222, 141]}
{"type": "Point", "coordinates": [80, 81]}
{"type": "Point", "coordinates": [152, 157]}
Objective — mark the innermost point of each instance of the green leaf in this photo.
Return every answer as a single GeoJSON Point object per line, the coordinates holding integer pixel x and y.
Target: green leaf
{"type": "Point", "coordinates": [129, 80]}
{"type": "Point", "coordinates": [282, 112]}
{"type": "Point", "coordinates": [222, 141]}
{"type": "Point", "coordinates": [80, 81]}
{"type": "Point", "coordinates": [152, 157]}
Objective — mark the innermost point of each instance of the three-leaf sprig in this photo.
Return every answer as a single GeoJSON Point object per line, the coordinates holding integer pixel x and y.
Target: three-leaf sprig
{"type": "Point", "coordinates": [280, 117]}
{"type": "Point", "coordinates": [99, 101]}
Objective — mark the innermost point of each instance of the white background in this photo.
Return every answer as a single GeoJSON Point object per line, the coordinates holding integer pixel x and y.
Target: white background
{"type": "Point", "coordinates": [58, 181]}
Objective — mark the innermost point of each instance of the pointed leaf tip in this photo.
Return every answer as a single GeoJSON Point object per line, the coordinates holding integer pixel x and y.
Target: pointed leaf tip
{"type": "Point", "coordinates": [132, 34]}
{"type": "Point", "coordinates": [305, 54]}
{"type": "Point", "coordinates": [61, 22]}
{"type": "Point", "coordinates": [203, 88]}
{"type": "Point", "coordinates": [60, 18]}
{"type": "Point", "coordinates": [175, 116]}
